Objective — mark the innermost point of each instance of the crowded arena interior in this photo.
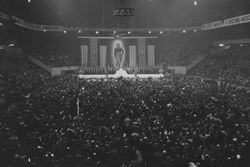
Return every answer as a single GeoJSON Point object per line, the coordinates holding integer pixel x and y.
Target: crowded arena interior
{"type": "Point", "coordinates": [124, 83]}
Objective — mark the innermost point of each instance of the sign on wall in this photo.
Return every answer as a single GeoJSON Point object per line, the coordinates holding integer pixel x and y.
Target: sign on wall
{"type": "Point", "coordinates": [124, 12]}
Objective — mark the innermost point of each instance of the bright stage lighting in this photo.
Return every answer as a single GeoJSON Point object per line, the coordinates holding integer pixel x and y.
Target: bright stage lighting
{"type": "Point", "coordinates": [184, 31]}
{"type": "Point", "coordinates": [64, 32]}
{"type": "Point", "coordinates": [129, 32]}
{"type": "Point", "coordinates": [149, 32]}
{"type": "Point", "coordinates": [161, 32]}
{"type": "Point", "coordinates": [97, 32]}
{"type": "Point", "coordinates": [79, 31]}
{"type": "Point", "coordinates": [29, 1]}
{"type": "Point", "coordinates": [195, 3]}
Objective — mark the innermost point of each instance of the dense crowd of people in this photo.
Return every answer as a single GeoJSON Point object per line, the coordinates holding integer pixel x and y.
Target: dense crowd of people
{"type": "Point", "coordinates": [201, 119]}
{"type": "Point", "coordinates": [64, 121]}
{"type": "Point", "coordinates": [177, 57]}
{"type": "Point", "coordinates": [231, 66]}
{"type": "Point", "coordinates": [55, 57]}
{"type": "Point", "coordinates": [181, 49]}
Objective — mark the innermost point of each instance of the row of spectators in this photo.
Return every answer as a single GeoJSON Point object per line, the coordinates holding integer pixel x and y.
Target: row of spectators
{"type": "Point", "coordinates": [232, 66]}
{"type": "Point", "coordinates": [112, 70]}
{"type": "Point", "coordinates": [55, 56]}
{"type": "Point", "coordinates": [62, 121]}
{"type": "Point", "coordinates": [178, 57]}
{"type": "Point", "coordinates": [181, 49]}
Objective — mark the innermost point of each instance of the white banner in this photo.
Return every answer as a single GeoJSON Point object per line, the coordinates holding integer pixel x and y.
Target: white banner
{"type": "Point", "coordinates": [227, 22]}
{"type": "Point", "coordinates": [103, 55]}
{"type": "Point", "coordinates": [132, 56]}
{"type": "Point", "coordinates": [84, 55]}
{"type": "Point", "coordinates": [151, 55]}
{"type": "Point", "coordinates": [245, 18]}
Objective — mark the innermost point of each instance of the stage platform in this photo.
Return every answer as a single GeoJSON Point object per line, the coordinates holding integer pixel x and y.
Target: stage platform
{"type": "Point", "coordinates": [121, 73]}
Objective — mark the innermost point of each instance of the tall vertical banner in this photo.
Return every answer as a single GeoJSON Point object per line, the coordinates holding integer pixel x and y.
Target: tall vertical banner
{"type": "Point", "coordinates": [118, 53]}
{"type": "Point", "coordinates": [142, 52]}
{"type": "Point", "coordinates": [132, 56]}
{"type": "Point", "coordinates": [151, 55]}
{"type": "Point", "coordinates": [103, 55]}
{"type": "Point", "coordinates": [93, 52]}
{"type": "Point", "coordinates": [84, 55]}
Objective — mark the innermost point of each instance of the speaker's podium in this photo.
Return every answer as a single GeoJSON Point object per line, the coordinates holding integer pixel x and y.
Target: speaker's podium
{"type": "Point", "coordinates": [122, 73]}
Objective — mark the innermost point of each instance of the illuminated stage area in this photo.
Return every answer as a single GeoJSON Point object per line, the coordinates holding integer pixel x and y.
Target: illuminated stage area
{"type": "Point", "coordinates": [121, 73]}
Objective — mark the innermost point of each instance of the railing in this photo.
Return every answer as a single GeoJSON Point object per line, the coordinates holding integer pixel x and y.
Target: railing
{"type": "Point", "coordinates": [39, 63]}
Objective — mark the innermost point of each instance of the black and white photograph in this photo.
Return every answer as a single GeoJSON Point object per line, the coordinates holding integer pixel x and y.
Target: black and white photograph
{"type": "Point", "coordinates": [124, 83]}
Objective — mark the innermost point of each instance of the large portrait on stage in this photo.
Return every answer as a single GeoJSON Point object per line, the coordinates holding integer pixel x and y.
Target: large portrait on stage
{"type": "Point", "coordinates": [118, 53]}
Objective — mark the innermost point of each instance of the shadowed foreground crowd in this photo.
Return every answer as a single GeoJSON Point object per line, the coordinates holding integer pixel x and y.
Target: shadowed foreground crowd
{"type": "Point", "coordinates": [47, 121]}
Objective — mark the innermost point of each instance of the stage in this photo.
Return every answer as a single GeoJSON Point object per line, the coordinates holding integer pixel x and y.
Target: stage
{"type": "Point", "coordinates": [120, 73]}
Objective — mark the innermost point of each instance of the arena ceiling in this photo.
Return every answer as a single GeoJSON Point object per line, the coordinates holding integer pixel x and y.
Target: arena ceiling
{"type": "Point", "coordinates": [149, 13]}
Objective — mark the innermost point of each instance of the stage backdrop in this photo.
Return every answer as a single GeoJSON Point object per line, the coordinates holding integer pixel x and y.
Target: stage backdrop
{"type": "Point", "coordinates": [98, 52]}
{"type": "Point", "coordinates": [118, 53]}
